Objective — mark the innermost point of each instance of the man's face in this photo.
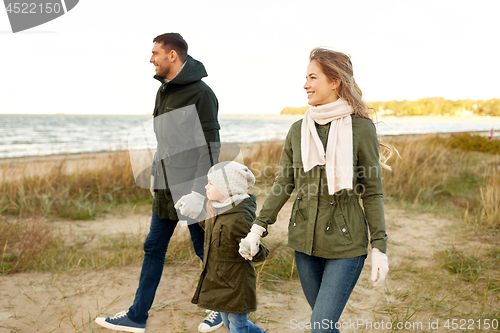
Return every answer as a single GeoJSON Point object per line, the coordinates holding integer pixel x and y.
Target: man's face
{"type": "Point", "coordinates": [160, 58]}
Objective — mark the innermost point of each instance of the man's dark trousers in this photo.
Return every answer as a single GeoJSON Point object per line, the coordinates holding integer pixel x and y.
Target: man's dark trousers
{"type": "Point", "coordinates": [155, 249]}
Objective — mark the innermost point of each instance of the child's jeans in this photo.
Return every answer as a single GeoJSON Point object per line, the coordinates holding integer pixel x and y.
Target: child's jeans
{"type": "Point", "coordinates": [239, 323]}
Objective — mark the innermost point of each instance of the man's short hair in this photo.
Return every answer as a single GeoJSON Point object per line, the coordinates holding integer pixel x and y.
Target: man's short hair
{"type": "Point", "coordinates": [173, 41]}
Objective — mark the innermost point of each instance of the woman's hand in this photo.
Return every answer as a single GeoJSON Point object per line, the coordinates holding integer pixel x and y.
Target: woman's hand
{"type": "Point", "coordinates": [380, 266]}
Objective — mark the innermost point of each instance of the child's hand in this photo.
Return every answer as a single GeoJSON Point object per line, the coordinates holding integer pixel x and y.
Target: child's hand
{"type": "Point", "coordinates": [253, 239]}
{"type": "Point", "coordinates": [245, 249]}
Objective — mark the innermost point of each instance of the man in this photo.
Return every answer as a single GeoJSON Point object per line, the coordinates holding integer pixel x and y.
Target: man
{"type": "Point", "coordinates": [185, 110]}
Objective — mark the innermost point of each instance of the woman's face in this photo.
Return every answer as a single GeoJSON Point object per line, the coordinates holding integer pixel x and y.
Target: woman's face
{"type": "Point", "coordinates": [213, 194]}
{"type": "Point", "coordinates": [320, 89]}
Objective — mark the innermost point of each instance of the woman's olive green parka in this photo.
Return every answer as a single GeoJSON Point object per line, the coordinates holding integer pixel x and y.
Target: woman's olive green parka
{"type": "Point", "coordinates": [330, 226]}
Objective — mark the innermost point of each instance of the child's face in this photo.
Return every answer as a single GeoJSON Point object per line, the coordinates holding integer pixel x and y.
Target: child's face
{"type": "Point", "coordinates": [213, 194]}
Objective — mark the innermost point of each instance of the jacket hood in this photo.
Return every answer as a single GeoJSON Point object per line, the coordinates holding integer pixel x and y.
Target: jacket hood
{"type": "Point", "coordinates": [193, 71]}
{"type": "Point", "coordinates": [248, 206]}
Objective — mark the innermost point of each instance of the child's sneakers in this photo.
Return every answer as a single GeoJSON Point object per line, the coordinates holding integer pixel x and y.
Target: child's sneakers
{"type": "Point", "coordinates": [121, 322]}
{"type": "Point", "coordinates": [212, 322]}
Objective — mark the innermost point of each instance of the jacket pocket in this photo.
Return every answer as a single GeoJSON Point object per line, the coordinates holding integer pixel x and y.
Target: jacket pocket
{"type": "Point", "coordinates": [336, 228]}
{"type": "Point", "coordinates": [230, 274]}
{"type": "Point", "coordinates": [342, 226]}
{"type": "Point", "coordinates": [225, 279]}
{"type": "Point", "coordinates": [298, 224]}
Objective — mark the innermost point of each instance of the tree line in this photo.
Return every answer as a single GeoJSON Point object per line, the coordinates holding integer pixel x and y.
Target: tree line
{"type": "Point", "coordinates": [432, 106]}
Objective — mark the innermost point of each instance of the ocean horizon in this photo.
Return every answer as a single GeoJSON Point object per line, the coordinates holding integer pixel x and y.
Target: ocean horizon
{"type": "Point", "coordinates": [48, 134]}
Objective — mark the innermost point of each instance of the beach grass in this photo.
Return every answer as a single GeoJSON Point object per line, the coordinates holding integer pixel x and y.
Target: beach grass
{"type": "Point", "coordinates": [68, 188]}
{"type": "Point", "coordinates": [432, 176]}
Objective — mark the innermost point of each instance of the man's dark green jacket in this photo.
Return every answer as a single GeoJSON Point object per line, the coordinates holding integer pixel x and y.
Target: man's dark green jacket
{"type": "Point", "coordinates": [187, 133]}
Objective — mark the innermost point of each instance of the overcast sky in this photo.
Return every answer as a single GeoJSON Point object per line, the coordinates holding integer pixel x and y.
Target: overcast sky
{"type": "Point", "coordinates": [95, 59]}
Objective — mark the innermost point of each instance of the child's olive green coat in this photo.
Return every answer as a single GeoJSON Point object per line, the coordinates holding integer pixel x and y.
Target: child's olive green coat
{"type": "Point", "coordinates": [330, 226]}
{"type": "Point", "coordinates": [228, 281]}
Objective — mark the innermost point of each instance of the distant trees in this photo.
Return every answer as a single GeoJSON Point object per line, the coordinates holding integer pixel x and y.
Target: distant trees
{"type": "Point", "coordinates": [432, 106]}
{"type": "Point", "coordinates": [293, 110]}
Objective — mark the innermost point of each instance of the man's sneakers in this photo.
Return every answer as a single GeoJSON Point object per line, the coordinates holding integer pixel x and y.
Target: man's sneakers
{"type": "Point", "coordinates": [212, 322]}
{"type": "Point", "coordinates": [120, 322]}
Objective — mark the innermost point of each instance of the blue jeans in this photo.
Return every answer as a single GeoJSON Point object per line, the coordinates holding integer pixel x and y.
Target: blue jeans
{"type": "Point", "coordinates": [327, 285]}
{"type": "Point", "coordinates": [155, 249]}
{"type": "Point", "coordinates": [239, 323]}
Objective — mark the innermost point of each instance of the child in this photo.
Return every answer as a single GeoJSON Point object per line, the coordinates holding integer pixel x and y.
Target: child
{"type": "Point", "coordinates": [228, 281]}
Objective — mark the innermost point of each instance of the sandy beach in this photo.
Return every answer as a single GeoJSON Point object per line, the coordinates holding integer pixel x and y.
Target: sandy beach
{"type": "Point", "coordinates": [69, 302]}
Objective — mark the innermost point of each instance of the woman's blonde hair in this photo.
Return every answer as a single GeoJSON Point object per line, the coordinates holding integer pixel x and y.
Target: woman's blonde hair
{"type": "Point", "coordinates": [337, 65]}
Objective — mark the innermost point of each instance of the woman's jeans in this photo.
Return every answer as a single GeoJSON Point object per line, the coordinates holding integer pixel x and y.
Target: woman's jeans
{"type": "Point", "coordinates": [239, 323]}
{"type": "Point", "coordinates": [155, 249]}
{"type": "Point", "coordinates": [327, 285]}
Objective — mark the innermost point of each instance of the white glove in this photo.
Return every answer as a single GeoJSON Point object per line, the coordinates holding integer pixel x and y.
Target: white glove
{"type": "Point", "coordinates": [380, 266]}
{"type": "Point", "coordinates": [245, 249]}
{"type": "Point", "coordinates": [191, 204]}
{"type": "Point", "coordinates": [152, 185]}
{"type": "Point", "coordinates": [253, 239]}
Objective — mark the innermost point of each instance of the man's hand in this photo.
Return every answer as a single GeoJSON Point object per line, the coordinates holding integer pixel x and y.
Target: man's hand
{"type": "Point", "coordinates": [253, 241]}
{"type": "Point", "coordinates": [191, 204]}
{"type": "Point", "coordinates": [380, 266]}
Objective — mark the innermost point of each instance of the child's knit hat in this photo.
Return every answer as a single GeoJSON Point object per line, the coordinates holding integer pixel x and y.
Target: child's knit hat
{"type": "Point", "coordinates": [231, 178]}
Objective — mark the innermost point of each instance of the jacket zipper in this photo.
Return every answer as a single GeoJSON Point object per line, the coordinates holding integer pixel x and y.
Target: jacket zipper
{"type": "Point", "coordinates": [220, 233]}
{"type": "Point", "coordinates": [165, 177]}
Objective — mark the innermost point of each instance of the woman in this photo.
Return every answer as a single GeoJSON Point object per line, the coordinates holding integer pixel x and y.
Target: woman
{"type": "Point", "coordinates": [331, 158]}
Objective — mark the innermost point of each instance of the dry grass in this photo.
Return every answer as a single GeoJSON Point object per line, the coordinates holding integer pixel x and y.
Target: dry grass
{"type": "Point", "coordinates": [490, 198]}
{"type": "Point", "coordinates": [430, 176]}
{"type": "Point", "coordinates": [68, 188]}
{"type": "Point", "coordinates": [22, 243]}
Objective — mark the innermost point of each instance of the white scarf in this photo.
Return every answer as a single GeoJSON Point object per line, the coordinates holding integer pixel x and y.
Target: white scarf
{"type": "Point", "coordinates": [338, 158]}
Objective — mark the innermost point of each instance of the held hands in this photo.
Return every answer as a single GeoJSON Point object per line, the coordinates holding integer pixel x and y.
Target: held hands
{"type": "Point", "coordinates": [245, 249]}
{"type": "Point", "coordinates": [380, 266]}
{"type": "Point", "coordinates": [191, 204]}
{"type": "Point", "coordinates": [251, 242]}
